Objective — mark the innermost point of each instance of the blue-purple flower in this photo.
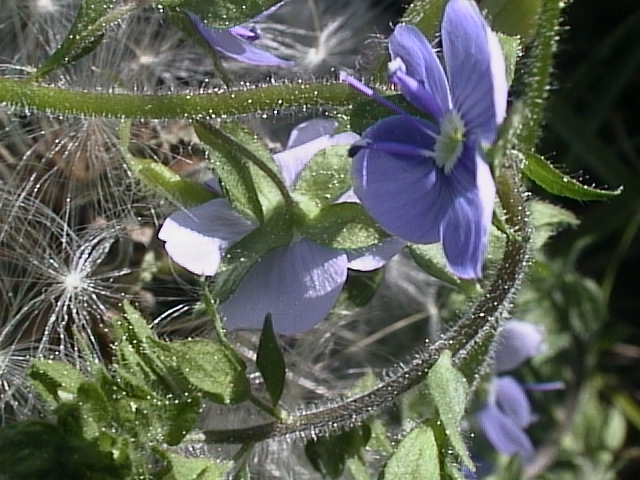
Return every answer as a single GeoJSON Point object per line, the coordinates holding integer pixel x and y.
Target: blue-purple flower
{"type": "Point", "coordinates": [297, 283]}
{"type": "Point", "coordinates": [426, 181]}
{"type": "Point", "coordinates": [507, 412]}
{"type": "Point", "coordinates": [237, 42]}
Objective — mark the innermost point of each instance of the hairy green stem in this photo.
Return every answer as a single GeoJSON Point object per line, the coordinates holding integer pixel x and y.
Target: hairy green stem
{"type": "Point", "coordinates": [23, 93]}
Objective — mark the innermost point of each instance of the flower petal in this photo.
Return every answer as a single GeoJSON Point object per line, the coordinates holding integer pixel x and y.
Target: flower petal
{"type": "Point", "coordinates": [292, 161]}
{"type": "Point", "coordinates": [225, 42]}
{"type": "Point", "coordinates": [375, 256]}
{"type": "Point", "coordinates": [400, 191]}
{"type": "Point", "coordinates": [465, 228]}
{"type": "Point", "coordinates": [517, 342]}
{"type": "Point", "coordinates": [503, 434]}
{"type": "Point", "coordinates": [298, 284]}
{"type": "Point", "coordinates": [430, 92]}
{"type": "Point", "coordinates": [310, 130]}
{"type": "Point", "coordinates": [197, 237]}
{"type": "Point", "coordinates": [475, 68]}
{"type": "Point", "coordinates": [511, 398]}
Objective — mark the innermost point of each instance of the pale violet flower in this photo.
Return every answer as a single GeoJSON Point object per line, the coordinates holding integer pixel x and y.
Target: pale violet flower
{"type": "Point", "coordinates": [426, 181]}
{"type": "Point", "coordinates": [507, 412]}
{"type": "Point", "coordinates": [297, 283]}
{"type": "Point", "coordinates": [237, 42]}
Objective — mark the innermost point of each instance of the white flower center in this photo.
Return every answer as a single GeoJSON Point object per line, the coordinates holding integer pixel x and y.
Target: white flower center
{"type": "Point", "coordinates": [450, 141]}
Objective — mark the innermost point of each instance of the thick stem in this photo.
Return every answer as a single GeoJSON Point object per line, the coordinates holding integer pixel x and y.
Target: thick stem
{"type": "Point", "coordinates": [23, 93]}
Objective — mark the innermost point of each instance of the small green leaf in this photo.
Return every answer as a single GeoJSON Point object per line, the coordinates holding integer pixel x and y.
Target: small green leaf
{"type": "Point", "coordinates": [329, 455]}
{"type": "Point", "coordinates": [56, 381]}
{"type": "Point", "coordinates": [431, 259]}
{"type": "Point", "coordinates": [212, 368]}
{"type": "Point", "coordinates": [86, 33]}
{"type": "Point", "coordinates": [270, 361]}
{"type": "Point", "coordinates": [547, 219]}
{"type": "Point", "coordinates": [233, 169]}
{"type": "Point", "coordinates": [162, 179]}
{"type": "Point", "coordinates": [183, 468]}
{"type": "Point", "coordinates": [449, 390]}
{"type": "Point", "coordinates": [416, 457]}
{"type": "Point", "coordinates": [326, 176]}
{"type": "Point", "coordinates": [343, 226]}
{"type": "Point", "coordinates": [179, 417]}
{"type": "Point", "coordinates": [553, 181]}
{"type": "Point", "coordinates": [511, 50]}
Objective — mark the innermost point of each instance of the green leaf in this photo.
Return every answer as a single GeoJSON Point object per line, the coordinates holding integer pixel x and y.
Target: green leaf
{"type": "Point", "coordinates": [517, 18]}
{"type": "Point", "coordinates": [426, 15]}
{"type": "Point", "coordinates": [222, 14]}
{"type": "Point", "coordinates": [416, 457]}
{"type": "Point", "coordinates": [366, 112]}
{"type": "Point", "coordinates": [270, 361]}
{"type": "Point", "coordinates": [553, 181]}
{"type": "Point", "coordinates": [326, 176]}
{"type": "Point", "coordinates": [212, 368]}
{"type": "Point", "coordinates": [431, 259]}
{"type": "Point", "coordinates": [179, 417]}
{"type": "Point", "coordinates": [86, 33]}
{"type": "Point", "coordinates": [449, 390]}
{"type": "Point", "coordinates": [183, 468]}
{"type": "Point", "coordinates": [547, 219]}
{"type": "Point", "coordinates": [511, 49]}
{"type": "Point", "coordinates": [229, 159]}
{"type": "Point", "coordinates": [56, 381]}
{"type": "Point", "coordinates": [329, 455]}
{"type": "Point", "coordinates": [343, 226]}
{"type": "Point", "coordinates": [162, 179]}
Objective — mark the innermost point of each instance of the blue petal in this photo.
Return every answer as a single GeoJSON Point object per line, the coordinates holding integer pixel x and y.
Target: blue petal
{"type": "Point", "coordinates": [310, 130]}
{"type": "Point", "coordinates": [475, 68]}
{"type": "Point", "coordinates": [298, 284]}
{"type": "Point", "coordinates": [430, 91]}
{"type": "Point", "coordinates": [292, 161]}
{"type": "Point", "coordinates": [503, 434]}
{"type": "Point", "coordinates": [375, 256]}
{"type": "Point", "coordinates": [400, 191]}
{"type": "Point", "coordinates": [511, 398]}
{"type": "Point", "coordinates": [517, 342]}
{"type": "Point", "coordinates": [225, 42]}
{"type": "Point", "coordinates": [465, 227]}
{"type": "Point", "coordinates": [196, 238]}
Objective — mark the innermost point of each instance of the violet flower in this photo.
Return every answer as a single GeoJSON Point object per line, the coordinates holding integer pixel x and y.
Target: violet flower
{"type": "Point", "coordinates": [297, 283]}
{"type": "Point", "coordinates": [507, 412]}
{"type": "Point", "coordinates": [236, 42]}
{"type": "Point", "coordinates": [427, 181]}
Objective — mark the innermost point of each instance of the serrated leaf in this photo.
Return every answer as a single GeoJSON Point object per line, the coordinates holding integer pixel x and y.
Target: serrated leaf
{"type": "Point", "coordinates": [270, 361]}
{"type": "Point", "coordinates": [326, 176]}
{"type": "Point", "coordinates": [553, 181]}
{"type": "Point", "coordinates": [163, 180]}
{"type": "Point", "coordinates": [179, 417]}
{"type": "Point", "coordinates": [183, 468]}
{"type": "Point", "coordinates": [416, 457]}
{"type": "Point", "coordinates": [86, 33]}
{"type": "Point", "coordinates": [329, 455]}
{"type": "Point", "coordinates": [210, 367]}
{"type": "Point", "coordinates": [431, 259]}
{"type": "Point", "coordinates": [95, 407]}
{"type": "Point", "coordinates": [231, 164]}
{"type": "Point", "coordinates": [547, 219]}
{"type": "Point", "coordinates": [343, 226]}
{"type": "Point", "coordinates": [56, 381]}
{"type": "Point", "coordinates": [449, 390]}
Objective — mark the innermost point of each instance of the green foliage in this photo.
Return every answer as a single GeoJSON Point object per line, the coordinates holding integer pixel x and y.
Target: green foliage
{"type": "Point", "coordinates": [329, 455]}
{"type": "Point", "coordinates": [416, 457]}
{"type": "Point", "coordinates": [431, 259]}
{"type": "Point", "coordinates": [270, 361]}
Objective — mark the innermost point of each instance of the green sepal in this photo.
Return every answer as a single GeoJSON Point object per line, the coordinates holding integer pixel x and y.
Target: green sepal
{"type": "Point", "coordinates": [553, 181]}
{"type": "Point", "coordinates": [343, 226]}
{"type": "Point", "coordinates": [270, 361]}
{"type": "Point", "coordinates": [416, 457]}
{"type": "Point", "coordinates": [449, 391]}
{"type": "Point", "coordinates": [329, 455]}
{"type": "Point", "coordinates": [325, 177]}
{"type": "Point", "coordinates": [511, 50]}
{"type": "Point", "coordinates": [86, 33]}
{"type": "Point", "coordinates": [238, 259]}
{"type": "Point", "coordinates": [431, 259]}
{"type": "Point", "coordinates": [163, 180]}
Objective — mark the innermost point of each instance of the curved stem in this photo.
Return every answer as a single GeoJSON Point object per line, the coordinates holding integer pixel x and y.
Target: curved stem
{"type": "Point", "coordinates": [483, 319]}
{"type": "Point", "coordinates": [24, 93]}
